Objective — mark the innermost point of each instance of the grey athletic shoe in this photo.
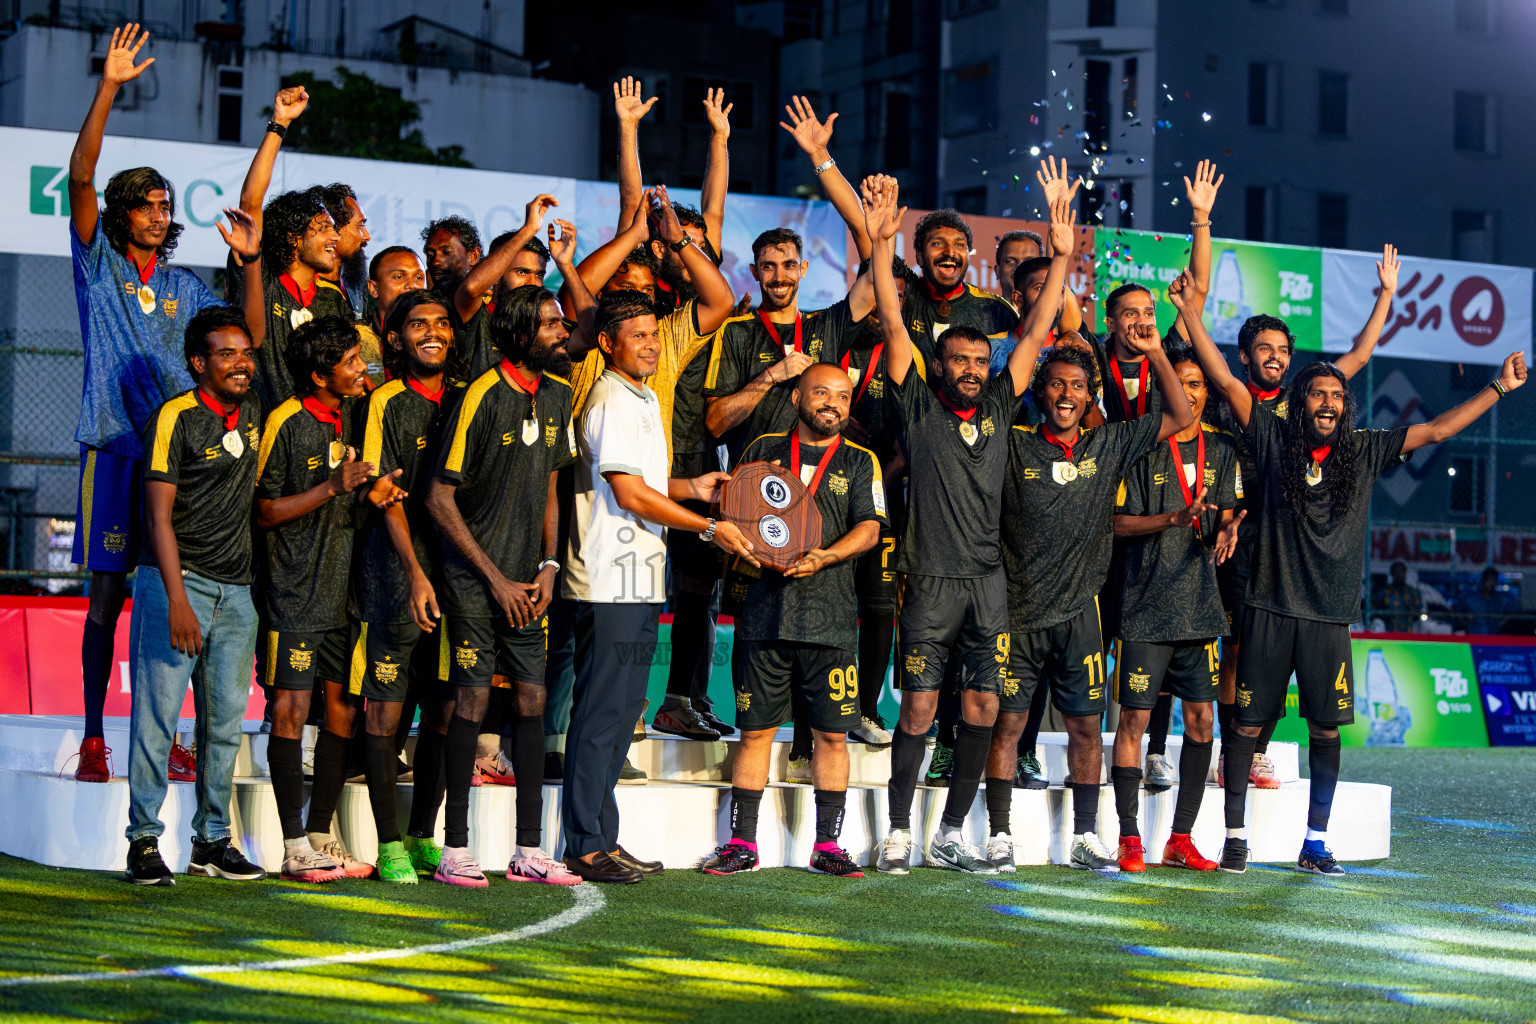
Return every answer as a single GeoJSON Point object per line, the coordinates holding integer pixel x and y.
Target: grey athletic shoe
{"type": "Point", "coordinates": [895, 853]}
{"type": "Point", "coordinates": [1090, 854]}
{"type": "Point", "coordinates": [1159, 772]}
{"type": "Point", "coordinates": [950, 850]}
{"type": "Point", "coordinates": [1000, 852]}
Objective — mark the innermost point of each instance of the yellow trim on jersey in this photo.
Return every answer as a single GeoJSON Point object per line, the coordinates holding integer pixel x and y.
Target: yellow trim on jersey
{"type": "Point", "coordinates": [561, 380]}
{"type": "Point", "coordinates": [322, 282]}
{"type": "Point", "coordinates": [165, 426]}
{"type": "Point", "coordinates": [359, 666]}
{"type": "Point", "coordinates": [712, 375]}
{"type": "Point", "coordinates": [271, 657]}
{"type": "Point", "coordinates": [87, 499]}
{"type": "Point", "coordinates": [442, 651]}
{"type": "Point", "coordinates": [1121, 496]}
{"type": "Point", "coordinates": [1114, 648]}
{"type": "Point", "coordinates": [373, 432]}
{"type": "Point", "coordinates": [487, 380]}
{"type": "Point", "coordinates": [282, 414]}
{"type": "Point", "coordinates": [771, 433]}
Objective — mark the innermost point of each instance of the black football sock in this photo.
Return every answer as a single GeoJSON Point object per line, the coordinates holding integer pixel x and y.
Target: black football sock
{"type": "Point", "coordinates": [1323, 764]}
{"type": "Point", "coordinates": [1224, 719]}
{"type": "Point", "coordinates": [744, 806]}
{"type": "Point", "coordinates": [1194, 763]}
{"type": "Point", "coordinates": [690, 636]}
{"type": "Point", "coordinates": [1265, 735]}
{"type": "Point", "coordinates": [906, 761]}
{"type": "Point", "coordinates": [948, 714]}
{"type": "Point", "coordinates": [876, 631]}
{"type": "Point", "coordinates": [972, 744]}
{"type": "Point", "coordinates": [330, 776]}
{"type": "Point", "coordinates": [1157, 726]}
{"type": "Point", "coordinates": [498, 708]}
{"type": "Point", "coordinates": [1031, 733]}
{"type": "Point", "coordinates": [800, 745]}
{"type": "Point", "coordinates": [1085, 807]}
{"type": "Point", "coordinates": [528, 767]}
{"type": "Point", "coordinates": [830, 804]}
{"type": "Point", "coordinates": [382, 769]}
{"type": "Point", "coordinates": [1127, 782]}
{"type": "Point", "coordinates": [459, 769]}
{"type": "Point", "coordinates": [285, 765]}
{"type": "Point", "coordinates": [1238, 751]}
{"type": "Point", "coordinates": [999, 806]}
{"type": "Point", "coordinates": [426, 782]}
{"type": "Point", "coordinates": [96, 672]}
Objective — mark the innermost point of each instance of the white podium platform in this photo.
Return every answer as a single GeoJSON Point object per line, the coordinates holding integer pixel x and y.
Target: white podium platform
{"type": "Point", "coordinates": [678, 818]}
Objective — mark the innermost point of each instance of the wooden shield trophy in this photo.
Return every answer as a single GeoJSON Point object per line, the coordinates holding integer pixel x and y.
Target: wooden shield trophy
{"type": "Point", "coordinates": [768, 504]}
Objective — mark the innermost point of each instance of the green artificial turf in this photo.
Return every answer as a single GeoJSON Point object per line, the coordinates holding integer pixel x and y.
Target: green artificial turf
{"type": "Point", "coordinates": [1444, 930]}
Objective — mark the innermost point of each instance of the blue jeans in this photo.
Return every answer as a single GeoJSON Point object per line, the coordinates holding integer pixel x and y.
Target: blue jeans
{"type": "Point", "coordinates": [221, 679]}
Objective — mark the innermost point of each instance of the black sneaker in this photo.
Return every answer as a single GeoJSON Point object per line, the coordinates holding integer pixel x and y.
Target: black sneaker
{"type": "Point", "coordinates": [1029, 774]}
{"type": "Point", "coordinates": [1234, 856]}
{"type": "Point", "coordinates": [1317, 859]}
{"type": "Point", "coordinates": [403, 771]}
{"type": "Point", "coordinates": [682, 720]}
{"type": "Point", "coordinates": [554, 767]}
{"type": "Point", "coordinates": [835, 862]}
{"type": "Point", "coordinates": [221, 859]}
{"type": "Point", "coordinates": [730, 859]}
{"type": "Point", "coordinates": [144, 864]}
{"type": "Point", "coordinates": [940, 765]}
{"type": "Point", "coordinates": [706, 711]}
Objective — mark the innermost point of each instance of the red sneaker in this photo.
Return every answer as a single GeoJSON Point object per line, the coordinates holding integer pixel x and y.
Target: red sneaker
{"type": "Point", "coordinates": [1180, 852]}
{"type": "Point", "coordinates": [1262, 774]}
{"type": "Point", "coordinates": [183, 764]}
{"type": "Point", "coordinates": [495, 769]}
{"type": "Point", "coordinates": [1132, 856]}
{"type": "Point", "coordinates": [93, 761]}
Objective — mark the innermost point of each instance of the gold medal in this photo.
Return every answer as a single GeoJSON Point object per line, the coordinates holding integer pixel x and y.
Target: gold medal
{"type": "Point", "coordinates": [1314, 474]}
{"type": "Point", "coordinates": [1068, 472]}
{"type": "Point", "coordinates": [299, 317]}
{"type": "Point", "coordinates": [944, 308]}
{"type": "Point", "coordinates": [967, 432]}
{"type": "Point", "coordinates": [234, 443]}
{"type": "Point", "coordinates": [338, 452]}
{"type": "Point", "coordinates": [146, 298]}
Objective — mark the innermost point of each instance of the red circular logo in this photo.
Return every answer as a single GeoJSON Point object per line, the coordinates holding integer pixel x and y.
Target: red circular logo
{"type": "Point", "coordinates": [1477, 311]}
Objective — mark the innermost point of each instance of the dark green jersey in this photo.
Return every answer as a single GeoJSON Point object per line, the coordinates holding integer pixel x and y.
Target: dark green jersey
{"type": "Point", "coordinates": [1219, 413]}
{"type": "Point", "coordinates": [822, 608]}
{"type": "Point", "coordinates": [1309, 568]}
{"type": "Point", "coordinates": [473, 339]}
{"type": "Point", "coordinates": [743, 348]}
{"type": "Point", "coordinates": [865, 363]}
{"type": "Point", "coordinates": [309, 560]}
{"type": "Point", "coordinates": [928, 316]}
{"type": "Point", "coordinates": [184, 445]}
{"type": "Point", "coordinates": [1168, 585]}
{"type": "Point", "coordinates": [688, 434]}
{"type": "Point", "coordinates": [955, 469]}
{"type": "Point", "coordinates": [287, 310]}
{"type": "Point", "coordinates": [1058, 517]}
{"type": "Point", "coordinates": [401, 429]}
{"type": "Point", "coordinates": [498, 448]}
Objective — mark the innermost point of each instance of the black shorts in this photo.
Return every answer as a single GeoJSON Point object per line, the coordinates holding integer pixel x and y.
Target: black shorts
{"type": "Point", "coordinates": [295, 660]}
{"type": "Point", "coordinates": [1068, 657]}
{"type": "Point", "coordinates": [1232, 581]}
{"type": "Point", "coordinates": [1274, 646]}
{"type": "Point", "coordinates": [1188, 670]}
{"type": "Point", "coordinates": [689, 557]}
{"type": "Point", "coordinates": [398, 656]}
{"type": "Point", "coordinates": [482, 648]}
{"type": "Point", "coordinates": [875, 579]}
{"type": "Point", "coordinates": [765, 670]}
{"type": "Point", "coordinates": [964, 619]}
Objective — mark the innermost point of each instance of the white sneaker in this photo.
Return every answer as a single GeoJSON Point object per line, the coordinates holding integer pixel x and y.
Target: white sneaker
{"type": "Point", "coordinates": [1000, 852]}
{"type": "Point", "coordinates": [1262, 774]}
{"type": "Point", "coordinates": [895, 853]}
{"type": "Point", "coordinates": [534, 865]}
{"type": "Point", "coordinates": [871, 732]}
{"type": "Point", "coordinates": [1159, 772]}
{"type": "Point", "coordinates": [799, 770]}
{"type": "Point", "coordinates": [332, 848]}
{"type": "Point", "coordinates": [1090, 854]}
{"type": "Point", "coordinates": [303, 863]}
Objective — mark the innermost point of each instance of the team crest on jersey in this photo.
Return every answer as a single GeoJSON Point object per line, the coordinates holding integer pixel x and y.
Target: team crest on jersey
{"type": "Point", "coordinates": [1087, 468]}
{"type": "Point", "coordinates": [743, 701]}
{"type": "Point", "coordinates": [116, 543]}
{"type": "Point", "coordinates": [1244, 698]}
{"type": "Point", "coordinates": [466, 656]}
{"type": "Point", "coordinates": [917, 664]}
{"type": "Point", "coordinates": [987, 427]}
{"type": "Point", "coordinates": [1010, 685]}
{"type": "Point", "coordinates": [876, 388]}
{"type": "Point", "coordinates": [551, 434]}
{"type": "Point", "coordinates": [386, 671]}
{"type": "Point", "coordinates": [1139, 681]}
{"type": "Point", "coordinates": [814, 348]}
{"type": "Point", "coordinates": [837, 484]}
{"type": "Point", "coordinates": [1210, 478]}
{"type": "Point", "coordinates": [300, 658]}
{"type": "Point", "coordinates": [169, 305]}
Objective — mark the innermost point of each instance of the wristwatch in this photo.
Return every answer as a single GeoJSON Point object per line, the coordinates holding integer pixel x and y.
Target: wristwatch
{"type": "Point", "coordinates": [680, 245]}
{"type": "Point", "coordinates": [708, 536]}
{"type": "Point", "coordinates": [548, 562]}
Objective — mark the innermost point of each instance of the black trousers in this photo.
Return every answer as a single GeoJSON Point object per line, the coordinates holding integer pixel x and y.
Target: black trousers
{"type": "Point", "coordinates": [614, 647]}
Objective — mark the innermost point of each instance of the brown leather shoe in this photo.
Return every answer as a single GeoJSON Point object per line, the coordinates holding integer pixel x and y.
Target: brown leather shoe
{"type": "Point", "coordinates": [626, 859]}
{"type": "Point", "coordinates": [603, 869]}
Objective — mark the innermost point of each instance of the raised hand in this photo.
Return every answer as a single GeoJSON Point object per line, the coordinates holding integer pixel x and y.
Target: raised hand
{"type": "Point", "coordinates": [882, 218]}
{"type": "Point", "coordinates": [538, 206]}
{"type": "Point", "coordinates": [289, 104]}
{"type": "Point", "coordinates": [1063, 239]}
{"type": "Point", "coordinates": [668, 227]}
{"type": "Point", "coordinates": [627, 102]}
{"type": "Point", "coordinates": [810, 134]}
{"type": "Point", "coordinates": [242, 235]}
{"type": "Point", "coordinates": [1201, 192]}
{"type": "Point", "coordinates": [1512, 373]}
{"type": "Point", "coordinates": [562, 246]}
{"type": "Point", "coordinates": [118, 67]}
{"type": "Point", "coordinates": [1226, 539]}
{"type": "Point", "coordinates": [1181, 291]}
{"type": "Point", "coordinates": [1053, 180]}
{"type": "Point", "coordinates": [1387, 268]}
{"type": "Point", "coordinates": [718, 112]}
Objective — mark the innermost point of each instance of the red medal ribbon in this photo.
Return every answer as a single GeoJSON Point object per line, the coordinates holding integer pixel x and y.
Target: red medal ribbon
{"type": "Point", "coordinates": [1319, 454]}
{"type": "Point", "coordinates": [1178, 465]}
{"type": "Point", "coordinates": [1065, 446]}
{"type": "Point", "coordinates": [303, 296]}
{"type": "Point", "coordinates": [865, 375]}
{"type": "Point", "coordinates": [939, 296]}
{"type": "Point", "coordinates": [231, 419]}
{"type": "Point", "coordinates": [324, 413]}
{"type": "Point", "coordinates": [1141, 390]}
{"type": "Point", "coordinates": [773, 331]}
{"type": "Point", "coordinates": [146, 272]}
{"type": "Point", "coordinates": [435, 397]}
{"type": "Point", "coordinates": [965, 414]}
{"type": "Point", "coordinates": [821, 468]}
{"type": "Point", "coordinates": [1258, 392]}
{"type": "Point", "coordinates": [530, 386]}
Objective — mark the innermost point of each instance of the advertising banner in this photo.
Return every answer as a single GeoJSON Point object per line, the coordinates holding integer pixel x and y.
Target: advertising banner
{"type": "Point", "coordinates": [1507, 678]}
{"type": "Point", "coordinates": [1407, 694]}
{"type": "Point", "coordinates": [1445, 311]}
{"type": "Point", "coordinates": [1463, 548]}
{"type": "Point", "coordinates": [1246, 278]}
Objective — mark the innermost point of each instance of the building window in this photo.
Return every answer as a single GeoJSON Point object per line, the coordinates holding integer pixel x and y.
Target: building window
{"type": "Point", "coordinates": [1332, 221]}
{"type": "Point", "coordinates": [1333, 6]}
{"type": "Point", "coordinates": [1332, 103]}
{"type": "Point", "coordinates": [802, 20]}
{"type": "Point", "coordinates": [1101, 13]}
{"type": "Point", "coordinates": [1096, 105]}
{"type": "Point", "coordinates": [1474, 236]}
{"type": "Point", "coordinates": [970, 99]}
{"type": "Point", "coordinates": [1093, 196]}
{"type": "Point", "coordinates": [1480, 16]}
{"type": "Point", "coordinates": [1126, 203]}
{"type": "Point", "coordinates": [1476, 127]}
{"type": "Point", "coordinates": [1130, 89]}
{"type": "Point", "coordinates": [898, 130]}
{"type": "Point", "coordinates": [1264, 95]}
{"type": "Point", "coordinates": [1259, 214]}
{"type": "Point", "coordinates": [1466, 491]}
{"type": "Point", "coordinates": [970, 200]}
{"type": "Point", "coordinates": [899, 34]}
{"type": "Point", "coordinates": [956, 9]}
{"type": "Point", "coordinates": [231, 90]}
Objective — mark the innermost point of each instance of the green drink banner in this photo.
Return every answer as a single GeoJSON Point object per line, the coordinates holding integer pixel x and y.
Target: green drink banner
{"type": "Point", "coordinates": [1246, 278]}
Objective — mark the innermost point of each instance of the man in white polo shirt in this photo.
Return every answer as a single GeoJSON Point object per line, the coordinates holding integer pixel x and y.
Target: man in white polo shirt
{"type": "Point", "coordinates": [616, 571]}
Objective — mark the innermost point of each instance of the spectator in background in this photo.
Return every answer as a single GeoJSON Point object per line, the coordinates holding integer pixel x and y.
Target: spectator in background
{"type": "Point", "coordinates": [1485, 608]}
{"type": "Point", "coordinates": [1398, 604]}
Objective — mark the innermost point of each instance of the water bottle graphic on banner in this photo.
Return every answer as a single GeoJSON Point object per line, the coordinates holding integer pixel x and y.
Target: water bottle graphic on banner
{"type": "Point", "coordinates": [1228, 306]}
{"type": "Point", "coordinates": [1389, 720]}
